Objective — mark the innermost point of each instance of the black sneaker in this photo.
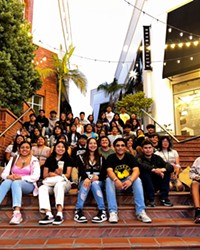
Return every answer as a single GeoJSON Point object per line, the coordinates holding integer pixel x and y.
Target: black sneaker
{"type": "Point", "coordinates": [58, 220]}
{"type": "Point", "coordinates": [79, 216]}
{"type": "Point", "coordinates": [166, 203]}
{"type": "Point", "coordinates": [46, 220]}
{"type": "Point", "coordinates": [197, 216]}
{"type": "Point", "coordinates": [151, 204]}
{"type": "Point", "coordinates": [100, 217]}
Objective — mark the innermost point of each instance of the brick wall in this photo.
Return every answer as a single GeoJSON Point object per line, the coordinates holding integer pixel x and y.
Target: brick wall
{"type": "Point", "coordinates": [29, 10]}
{"type": "Point", "coordinates": [49, 87]}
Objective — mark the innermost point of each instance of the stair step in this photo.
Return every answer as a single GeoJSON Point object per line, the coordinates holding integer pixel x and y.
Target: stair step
{"type": "Point", "coordinates": [122, 199]}
{"type": "Point", "coordinates": [124, 228]}
{"type": "Point", "coordinates": [104, 243]}
{"type": "Point", "coordinates": [125, 212]}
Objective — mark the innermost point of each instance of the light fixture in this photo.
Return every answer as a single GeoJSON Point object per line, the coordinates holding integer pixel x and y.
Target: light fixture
{"type": "Point", "coordinates": [180, 45]}
{"type": "Point", "coordinates": [173, 45]}
{"type": "Point", "coordinates": [188, 44]}
{"type": "Point", "coordinates": [170, 30]}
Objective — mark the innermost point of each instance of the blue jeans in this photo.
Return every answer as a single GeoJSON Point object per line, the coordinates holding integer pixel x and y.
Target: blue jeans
{"type": "Point", "coordinates": [17, 188]}
{"type": "Point", "coordinates": [137, 192]}
{"type": "Point", "coordinates": [96, 188]}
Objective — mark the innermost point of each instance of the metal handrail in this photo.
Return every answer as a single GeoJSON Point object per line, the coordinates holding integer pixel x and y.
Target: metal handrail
{"type": "Point", "coordinates": [11, 125]}
{"type": "Point", "coordinates": [186, 140]}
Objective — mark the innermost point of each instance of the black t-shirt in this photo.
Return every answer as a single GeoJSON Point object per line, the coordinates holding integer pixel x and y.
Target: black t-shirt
{"type": "Point", "coordinates": [52, 164]}
{"type": "Point", "coordinates": [122, 168]}
{"type": "Point", "coordinates": [86, 168]}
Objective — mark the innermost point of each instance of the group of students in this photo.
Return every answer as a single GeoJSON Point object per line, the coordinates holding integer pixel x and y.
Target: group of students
{"type": "Point", "coordinates": [102, 168]}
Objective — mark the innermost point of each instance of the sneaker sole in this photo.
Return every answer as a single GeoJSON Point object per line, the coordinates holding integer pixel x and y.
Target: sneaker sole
{"type": "Point", "coordinates": [99, 221]}
{"type": "Point", "coordinates": [57, 222]}
{"type": "Point", "coordinates": [149, 221]}
{"type": "Point", "coordinates": [113, 222]}
{"type": "Point", "coordinates": [197, 221]}
{"type": "Point", "coordinates": [14, 223]}
{"type": "Point", "coordinates": [166, 205]}
{"type": "Point", "coordinates": [81, 221]}
{"type": "Point", "coordinates": [46, 222]}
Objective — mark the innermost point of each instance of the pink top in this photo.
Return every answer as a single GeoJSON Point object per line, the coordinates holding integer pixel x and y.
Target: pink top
{"type": "Point", "coordinates": [21, 171]}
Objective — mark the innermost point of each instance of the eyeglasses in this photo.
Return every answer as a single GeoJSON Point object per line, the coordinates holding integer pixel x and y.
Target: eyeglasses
{"type": "Point", "coordinates": [120, 145]}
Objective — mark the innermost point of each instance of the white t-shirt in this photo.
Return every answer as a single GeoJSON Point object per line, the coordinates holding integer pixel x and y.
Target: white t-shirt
{"type": "Point", "coordinates": [109, 116]}
{"type": "Point", "coordinates": [168, 156]}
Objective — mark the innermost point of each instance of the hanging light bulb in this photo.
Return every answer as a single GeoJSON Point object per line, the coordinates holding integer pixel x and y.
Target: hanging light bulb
{"type": "Point", "coordinates": [188, 44]}
{"type": "Point", "coordinates": [195, 43]}
{"type": "Point", "coordinates": [191, 58]}
{"type": "Point", "coordinates": [190, 37]}
{"type": "Point", "coordinates": [181, 34]}
{"type": "Point", "coordinates": [164, 63]}
{"type": "Point", "coordinates": [180, 45]}
{"type": "Point", "coordinates": [170, 30]}
{"type": "Point", "coordinates": [166, 45]}
{"type": "Point", "coordinates": [173, 45]}
{"type": "Point", "coordinates": [178, 61]}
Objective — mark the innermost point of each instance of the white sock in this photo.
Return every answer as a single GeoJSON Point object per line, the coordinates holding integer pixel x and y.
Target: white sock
{"type": "Point", "coordinates": [49, 214]}
{"type": "Point", "coordinates": [60, 214]}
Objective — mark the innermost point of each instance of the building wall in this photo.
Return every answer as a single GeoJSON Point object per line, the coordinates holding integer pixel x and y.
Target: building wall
{"type": "Point", "coordinates": [49, 86]}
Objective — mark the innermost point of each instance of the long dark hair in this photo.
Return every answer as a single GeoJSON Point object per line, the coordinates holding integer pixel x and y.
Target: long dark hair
{"type": "Point", "coordinates": [86, 155]}
{"type": "Point", "coordinates": [53, 154]}
{"type": "Point", "coordinates": [23, 142]}
{"type": "Point", "coordinates": [15, 145]}
{"type": "Point", "coordinates": [161, 140]}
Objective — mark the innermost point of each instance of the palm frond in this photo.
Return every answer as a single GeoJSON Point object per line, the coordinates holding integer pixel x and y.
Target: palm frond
{"type": "Point", "coordinates": [46, 72]}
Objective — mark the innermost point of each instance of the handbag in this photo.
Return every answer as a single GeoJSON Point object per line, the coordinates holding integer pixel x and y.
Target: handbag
{"type": "Point", "coordinates": [51, 181]}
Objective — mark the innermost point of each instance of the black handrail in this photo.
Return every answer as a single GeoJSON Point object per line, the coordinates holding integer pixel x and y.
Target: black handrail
{"type": "Point", "coordinates": [177, 140]}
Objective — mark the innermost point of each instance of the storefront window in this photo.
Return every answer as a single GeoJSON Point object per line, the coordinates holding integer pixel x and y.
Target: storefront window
{"type": "Point", "coordinates": [187, 107]}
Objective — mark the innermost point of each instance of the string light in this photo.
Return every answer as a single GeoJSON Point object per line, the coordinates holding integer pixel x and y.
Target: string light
{"type": "Point", "coordinates": [170, 27]}
{"type": "Point", "coordinates": [181, 44]}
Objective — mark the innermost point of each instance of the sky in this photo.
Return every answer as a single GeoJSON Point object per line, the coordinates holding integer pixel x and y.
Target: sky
{"type": "Point", "coordinates": [98, 32]}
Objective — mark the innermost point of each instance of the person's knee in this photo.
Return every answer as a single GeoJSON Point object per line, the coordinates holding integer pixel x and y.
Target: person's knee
{"type": "Point", "coordinates": [16, 183]}
{"type": "Point", "coordinates": [43, 188]}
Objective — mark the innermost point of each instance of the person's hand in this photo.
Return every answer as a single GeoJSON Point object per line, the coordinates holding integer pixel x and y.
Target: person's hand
{"type": "Point", "coordinates": [59, 171]}
{"type": "Point", "coordinates": [95, 178]}
{"type": "Point", "coordinates": [17, 177]}
{"type": "Point", "coordinates": [11, 177]}
{"type": "Point", "coordinates": [87, 183]}
{"type": "Point", "coordinates": [158, 171]}
{"type": "Point", "coordinates": [127, 184]}
{"type": "Point", "coordinates": [119, 184]}
{"type": "Point", "coordinates": [197, 177]}
{"type": "Point", "coordinates": [51, 174]}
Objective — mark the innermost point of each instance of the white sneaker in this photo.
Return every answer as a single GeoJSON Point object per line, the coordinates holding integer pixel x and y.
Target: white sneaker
{"type": "Point", "coordinates": [143, 217]}
{"type": "Point", "coordinates": [16, 219]}
{"type": "Point", "coordinates": [113, 218]}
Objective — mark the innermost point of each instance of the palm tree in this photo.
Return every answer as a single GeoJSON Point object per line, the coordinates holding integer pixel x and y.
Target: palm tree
{"type": "Point", "coordinates": [111, 89]}
{"type": "Point", "coordinates": [65, 75]}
